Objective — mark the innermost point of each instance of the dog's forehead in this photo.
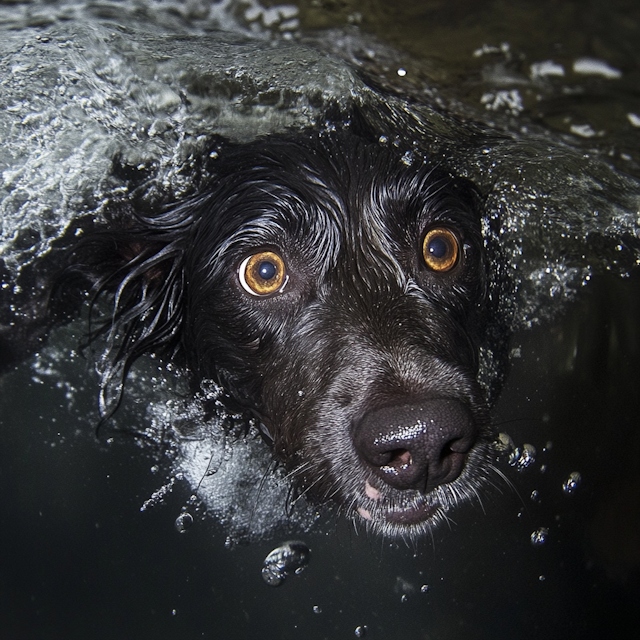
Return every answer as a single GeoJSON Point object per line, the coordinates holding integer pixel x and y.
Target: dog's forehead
{"type": "Point", "coordinates": [324, 219]}
{"type": "Point", "coordinates": [335, 200]}
{"type": "Point", "coordinates": [350, 188]}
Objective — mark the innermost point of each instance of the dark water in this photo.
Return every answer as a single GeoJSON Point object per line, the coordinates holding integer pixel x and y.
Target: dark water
{"type": "Point", "coordinates": [79, 560]}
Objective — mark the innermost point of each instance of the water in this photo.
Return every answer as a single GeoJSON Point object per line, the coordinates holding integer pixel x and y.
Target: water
{"type": "Point", "coordinates": [74, 504]}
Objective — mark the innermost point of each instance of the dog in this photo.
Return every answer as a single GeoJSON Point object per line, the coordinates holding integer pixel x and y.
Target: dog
{"type": "Point", "coordinates": [339, 295]}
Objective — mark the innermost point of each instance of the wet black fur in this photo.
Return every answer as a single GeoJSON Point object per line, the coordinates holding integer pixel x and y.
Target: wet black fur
{"type": "Point", "coordinates": [362, 323]}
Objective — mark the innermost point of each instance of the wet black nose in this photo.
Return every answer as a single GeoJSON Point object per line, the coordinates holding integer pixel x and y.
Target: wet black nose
{"type": "Point", "coordinates": [416, 446]}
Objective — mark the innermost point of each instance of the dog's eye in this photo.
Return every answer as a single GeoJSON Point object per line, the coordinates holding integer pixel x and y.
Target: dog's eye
{"type": "Point", "coordinates": [440, 249]}
{"type": "Point", "coordinates": [263, 273]}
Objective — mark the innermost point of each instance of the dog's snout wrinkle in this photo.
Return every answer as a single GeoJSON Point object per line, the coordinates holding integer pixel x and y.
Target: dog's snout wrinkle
{"type": "Point", "coordinates": [416, 445]}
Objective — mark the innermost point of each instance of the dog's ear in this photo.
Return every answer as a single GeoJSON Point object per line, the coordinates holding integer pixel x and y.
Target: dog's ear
{"type": "Point", "coordinates": [135, 273]}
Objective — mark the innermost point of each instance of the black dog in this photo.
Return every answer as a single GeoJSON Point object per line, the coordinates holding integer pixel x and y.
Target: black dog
{"type": "Point", "coordinates": [338, 294]}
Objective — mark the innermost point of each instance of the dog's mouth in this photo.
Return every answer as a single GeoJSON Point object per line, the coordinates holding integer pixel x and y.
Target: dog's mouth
{"type": "Point", "coordinates": [406, 516]}
{"type": "Point", "coordinates": [419, 509]}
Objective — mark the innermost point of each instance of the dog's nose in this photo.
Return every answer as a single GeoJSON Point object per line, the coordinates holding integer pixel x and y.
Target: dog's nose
{"type": "Point", "coordinates": [416, 446]}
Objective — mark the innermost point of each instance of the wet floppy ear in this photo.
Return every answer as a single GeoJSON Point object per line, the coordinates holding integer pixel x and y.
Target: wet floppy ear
{"type": "Point", "coordinates": [136, 278]}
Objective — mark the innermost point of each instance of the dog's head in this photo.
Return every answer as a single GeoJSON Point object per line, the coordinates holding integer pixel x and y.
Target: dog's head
{"type": "Point", "coordinates": [338, 293]}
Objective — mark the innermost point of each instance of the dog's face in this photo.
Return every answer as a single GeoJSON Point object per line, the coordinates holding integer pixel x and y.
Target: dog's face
{"type": "Point", "coordinates": [338, 294]}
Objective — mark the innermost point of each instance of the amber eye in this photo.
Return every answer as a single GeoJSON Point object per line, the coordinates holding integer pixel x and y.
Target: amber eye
{"type": "Point", "coordinates": [263, 273]}
{"type": "Point", "coordinates": [440, 249]}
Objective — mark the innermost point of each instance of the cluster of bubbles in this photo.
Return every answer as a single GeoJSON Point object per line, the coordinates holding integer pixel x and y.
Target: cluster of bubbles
{"type": "Point", "coordinates": [229, 467]}
{"type": "Point", "coordinates": [519, 457]}
{"type": "Point", "coordinates": [522, 458]}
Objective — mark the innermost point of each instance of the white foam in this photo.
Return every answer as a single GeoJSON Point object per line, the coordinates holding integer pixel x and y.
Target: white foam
{"type": "Point", "coordinates": [595, 67]}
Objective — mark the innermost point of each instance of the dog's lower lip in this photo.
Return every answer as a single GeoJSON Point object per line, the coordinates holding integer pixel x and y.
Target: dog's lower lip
{"type": "Point", "coordinates": [408, 516]}
{"type": "Point", "coordinates": [413, 515]}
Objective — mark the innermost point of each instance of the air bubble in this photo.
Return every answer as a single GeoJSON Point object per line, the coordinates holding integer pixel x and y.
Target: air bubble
{"type": "Point", "coordinates": [183, 522]}
{"type": "Point", "coordinates": [292, 557]}
{"type": "Point", "coordinates": [539, 536]}
{"type": "Point", "coordinates": [521, 459]}
{"type": "Point", "coordinates": [572, 482]}
{"type": "Point", "coordinates": [504, 443]}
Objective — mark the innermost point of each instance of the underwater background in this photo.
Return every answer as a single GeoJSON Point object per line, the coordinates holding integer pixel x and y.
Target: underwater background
{"type": "Point", "coordinates": [556, 556]}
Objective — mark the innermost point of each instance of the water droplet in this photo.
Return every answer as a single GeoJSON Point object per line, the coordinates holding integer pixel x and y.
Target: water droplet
{"type": "Point", "coordinates": [425, 588]}
{"type": "Point", "coordinates": [535, 495]}
{"type": "Point", "coordinates": [539, 536]}
{"type": "Point", "coordinates": [291, 557]}
{"type": "Point", "coordinates": [542, 578]}
{"type": "Point", "coordinates": [407, 158]}
{"type": "Point", "coordinates": [183, 522]}
{"type": "Point", "coordinates": [317, 609]}
{"type": "Point", "coordinates": [572, 483]}
{"type": "Point", "coordinates": [361, 631]}
{"type": "Point", "coordinates": [403, 597]}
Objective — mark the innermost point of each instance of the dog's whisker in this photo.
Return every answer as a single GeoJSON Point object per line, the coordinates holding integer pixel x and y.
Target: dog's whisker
{"type": "Point", "coordinates": [297, 471]}
{"type": "Point", "coordinates": [268, 471]}
{"type": "Point", "coordinates": [306, 490]}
